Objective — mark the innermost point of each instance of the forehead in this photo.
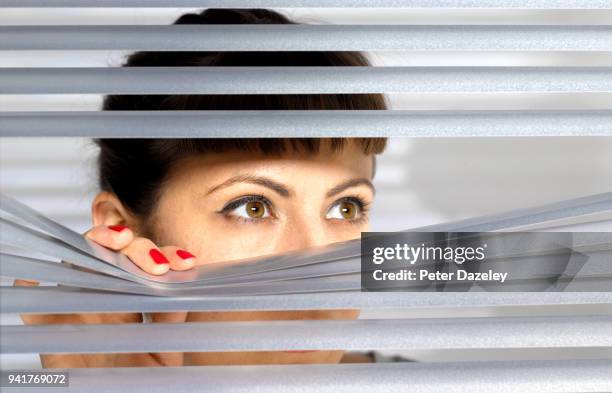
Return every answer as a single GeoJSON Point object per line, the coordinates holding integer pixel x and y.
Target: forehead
{"type": "Point", "coordinates": [350, 160]}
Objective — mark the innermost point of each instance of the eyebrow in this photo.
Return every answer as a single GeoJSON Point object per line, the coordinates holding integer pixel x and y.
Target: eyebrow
{"type": "Point", "coordinates": [279, 188]}
{"type": "Point", "coordinates": [348, 184]}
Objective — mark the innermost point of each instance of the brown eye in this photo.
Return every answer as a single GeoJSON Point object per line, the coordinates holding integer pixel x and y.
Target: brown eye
{"type": "Point", "coordinates": [255, 209]}
{"type": "Point", "coordinates": [348, 210]}
{"type": "Point", "coordinates": [344, 210]}
{"type": "Point", "coordinates": [248, 208]}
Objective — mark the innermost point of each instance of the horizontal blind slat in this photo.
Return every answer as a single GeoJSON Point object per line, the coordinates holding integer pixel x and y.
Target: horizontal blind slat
{"type": "Point", "coordinates": [358, 335]}
{"type": "Point", "coordinates": [307, 38]}
{"type": "Point", "coordinates": [521, 4]}
{"type": "Point", "coordinates": [24, 239]}
{"type": "Point", "coordinates": [302, 80]}
{"type": "Point", "coordinates": [40, 270]}
{"type": "Point", "coordinates": [69, 300]}
{"type": "Point", "coordinates": [583, 206]}
{"type": "Point", "coordinates": [575, 376]}
{"type": "Point", "coordinates": [597, 269]}
{"type": "Point", "coordinates": [280, 124]}
{"type": "Point", "coordinates": [54, 272]}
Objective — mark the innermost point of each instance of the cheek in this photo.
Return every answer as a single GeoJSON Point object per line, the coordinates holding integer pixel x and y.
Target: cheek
{"type": "Point", "coordinates": [340, 232]}
{"type": "Point", "coordinates": [217, 240]}
{"type": "Point", "coordinates": [232, 244]}
{"type": "Point", "coordinates": [212, 239]}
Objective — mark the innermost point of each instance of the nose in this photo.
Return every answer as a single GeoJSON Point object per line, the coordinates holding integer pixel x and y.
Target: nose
{"type": "Point", "coordinates": [304, 232]}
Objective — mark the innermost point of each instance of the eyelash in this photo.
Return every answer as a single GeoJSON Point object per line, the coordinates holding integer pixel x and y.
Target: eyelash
{"type": "Point", "coordinates": [364, 207]}
{"type": "Point", "coordinates": [236, 203]}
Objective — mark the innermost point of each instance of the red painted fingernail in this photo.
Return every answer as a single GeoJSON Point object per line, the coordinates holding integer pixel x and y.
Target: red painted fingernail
{"type": "Point", "coordinates": [184, 254]}
{"type": "Point", "coordinates": [117, 228]}
{"type": "Point", "coordinates": [157, 256]}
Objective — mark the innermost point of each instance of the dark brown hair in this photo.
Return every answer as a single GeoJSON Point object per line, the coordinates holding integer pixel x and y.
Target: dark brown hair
{"type": "Point", "coordinates": [134, 169]}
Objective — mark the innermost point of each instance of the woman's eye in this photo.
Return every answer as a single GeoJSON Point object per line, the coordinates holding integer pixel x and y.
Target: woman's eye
{"type": "Point", "coordinates": [344, 210]}
{"type": "Point", "coordinates": [251, 210]}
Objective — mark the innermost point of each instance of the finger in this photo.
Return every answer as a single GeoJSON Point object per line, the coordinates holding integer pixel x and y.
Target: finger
{"type": "Point", "coordinates": [114, 237]}
{"type": "Point", "coordinates": [179, 259]}
{"type": "Point", "coordinates": [25, 283]}
{"type": "Point", "coordinates": [147, 256]}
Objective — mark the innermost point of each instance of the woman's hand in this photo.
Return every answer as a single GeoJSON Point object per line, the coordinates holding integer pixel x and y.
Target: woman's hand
{"type": "Point", "coordinates": [143, 252]}
{"type": "Point", "coordinates": [150, 258]}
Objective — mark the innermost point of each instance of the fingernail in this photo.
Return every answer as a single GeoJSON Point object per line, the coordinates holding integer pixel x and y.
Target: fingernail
{"type": "Point", "coordinates": [157, 256]}
{"type": "Point", "coordinates": [184, 254]}
{"type": "Point", "coordinates": [117, 228]}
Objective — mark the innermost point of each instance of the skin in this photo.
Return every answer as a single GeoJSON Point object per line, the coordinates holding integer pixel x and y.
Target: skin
{"type": "Point", "coordinates": [294, 201]}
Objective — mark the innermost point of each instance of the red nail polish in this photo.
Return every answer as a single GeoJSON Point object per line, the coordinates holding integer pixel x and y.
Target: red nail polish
{"type": "Point", "coordinates": [157, 256]}
{"type": "Point", "coordinates": [117, 228]}
{"type": "Point", "coordinates": [184, 254]}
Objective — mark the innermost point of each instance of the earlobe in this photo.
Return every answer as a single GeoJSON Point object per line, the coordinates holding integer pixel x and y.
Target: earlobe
{"type": "Point", "coordinates": [107, 209]}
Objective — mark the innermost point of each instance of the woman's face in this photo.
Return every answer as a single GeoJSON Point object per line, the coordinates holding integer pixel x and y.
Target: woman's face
{"type": "Point", "coordinates": [231, 206]}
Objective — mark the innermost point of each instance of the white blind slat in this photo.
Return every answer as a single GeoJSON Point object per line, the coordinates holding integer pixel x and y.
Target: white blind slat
{"type": "Point", "coordinates": [227, 124]}
{"type": "Point", "coordinates": [304, 37]}
{"type": "Point", "coordinates": [520, 4]}
{"type": "Point", "coordinates": [359, 335]}
{"type": "Point", "coordinates": [567, 376]}
{"type": "Point", "coordinates": [302, 80]}
{"type": "Point", "coordinates": [69, 300]}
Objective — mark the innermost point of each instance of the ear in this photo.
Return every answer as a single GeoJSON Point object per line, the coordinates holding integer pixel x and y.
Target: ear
{"type": "Point", "coordinates": [107, 209]}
